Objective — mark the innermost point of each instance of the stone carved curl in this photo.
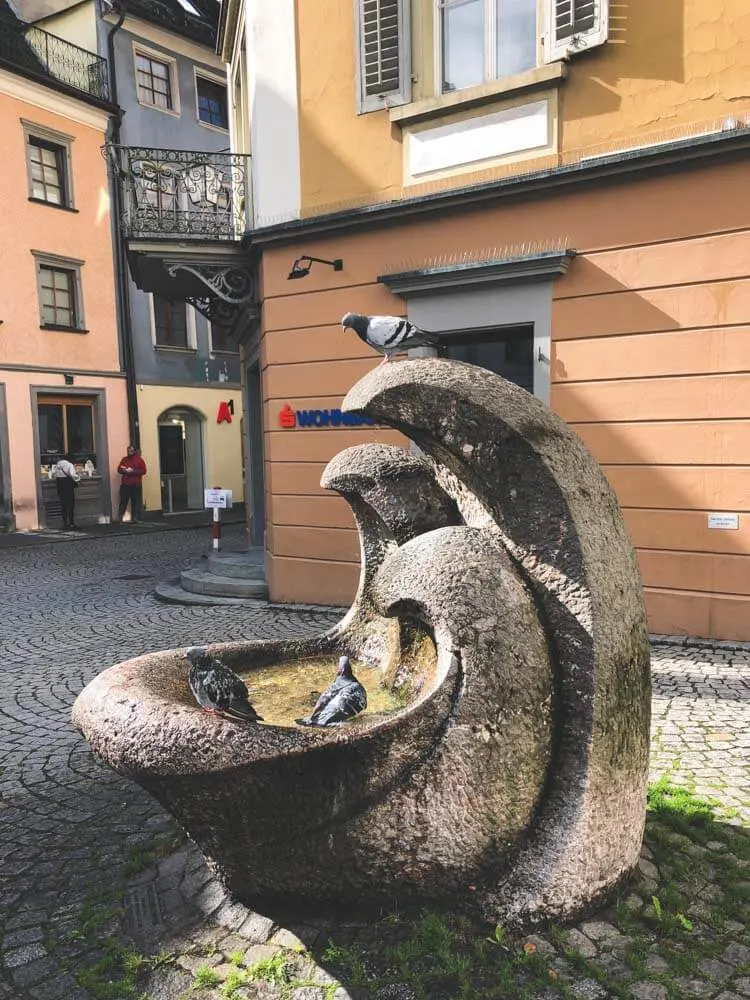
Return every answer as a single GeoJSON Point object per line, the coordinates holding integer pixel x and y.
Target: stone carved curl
{"type": "Point", "coordinates": [513, 779]}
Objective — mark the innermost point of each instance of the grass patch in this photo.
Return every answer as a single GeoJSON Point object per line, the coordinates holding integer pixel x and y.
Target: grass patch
{"type": "Point", "coordinates": [204, 977]}
{"type": "Point", "coordinates": [680, 916]}
{"type": "Point", "coordinates": [273, 970]}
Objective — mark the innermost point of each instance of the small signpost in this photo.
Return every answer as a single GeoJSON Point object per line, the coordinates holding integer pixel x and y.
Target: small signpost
{"type": "Point", "coordinates": [217, 500]}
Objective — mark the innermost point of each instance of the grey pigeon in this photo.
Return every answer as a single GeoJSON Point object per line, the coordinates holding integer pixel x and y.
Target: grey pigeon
{"type": "Point", "coordinates": [388, 334]}
{"type": "Point", "coordinates": [342, 700]}
{"type": "Point", "coordinates": [217, 688]}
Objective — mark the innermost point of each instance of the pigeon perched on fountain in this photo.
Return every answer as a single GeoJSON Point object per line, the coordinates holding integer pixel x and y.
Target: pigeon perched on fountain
{"type": "Point", "coordinates": [388, 334]}
{"type": "Point", "coordinates": [342, 700]}
{"type": "Point", "coordinates": [218, 689]}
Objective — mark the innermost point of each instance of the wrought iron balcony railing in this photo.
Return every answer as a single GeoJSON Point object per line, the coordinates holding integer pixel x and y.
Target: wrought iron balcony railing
{"type": "Point", "coordinates": [180, 193]}
{"type": "Point", "coordinates": [37, 51]}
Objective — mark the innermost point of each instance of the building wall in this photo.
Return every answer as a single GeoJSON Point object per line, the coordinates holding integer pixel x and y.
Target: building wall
{"type": "Point", "coordinates": [29, 355]}
{"type": "Point", "coordinates": [650, 365]}
{"type": "Point", "coordinates": [221, 442]}
{"type": "Point", "coordinates": [81, 235]}
{"type": "Point", "coordinates": [155, 129]}
{"type": "Point", "coordinates": [666, 66]}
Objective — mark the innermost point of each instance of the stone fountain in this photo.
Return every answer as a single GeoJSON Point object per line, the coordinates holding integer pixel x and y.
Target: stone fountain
{"type": "Point", "coordinates": [500, 596]}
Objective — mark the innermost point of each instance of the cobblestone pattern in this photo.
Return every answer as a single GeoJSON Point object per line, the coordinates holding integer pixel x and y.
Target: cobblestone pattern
{"type": "Point", "coordinates": [68, 825]}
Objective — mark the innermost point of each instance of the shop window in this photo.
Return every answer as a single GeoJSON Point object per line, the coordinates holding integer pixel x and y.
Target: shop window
{"type": "Point", "coordinates": [212, 102]}
{"type": "Point", "coordinates": [66, 426]}
{"type": "Point", "coordinates": [507, 351]}
{"type": "Point", "coordinates": [170, 323]}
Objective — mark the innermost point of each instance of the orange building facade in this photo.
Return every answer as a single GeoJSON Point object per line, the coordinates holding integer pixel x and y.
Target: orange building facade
{"type": "Point", "coordinates": [579, 225]}
{"type": "Point", "coordinates": [61, 383]}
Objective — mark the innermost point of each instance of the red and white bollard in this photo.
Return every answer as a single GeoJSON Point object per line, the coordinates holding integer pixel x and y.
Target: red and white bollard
{"type": "Point", "coordinates": [216, 533]}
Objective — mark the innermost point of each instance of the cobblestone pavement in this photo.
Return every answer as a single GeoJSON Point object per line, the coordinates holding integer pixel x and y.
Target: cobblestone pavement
{"type": "Point", "coordinates": [83, 889]}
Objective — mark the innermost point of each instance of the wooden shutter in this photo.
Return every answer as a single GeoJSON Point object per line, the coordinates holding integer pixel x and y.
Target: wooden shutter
{"type": "Point", "coordinates": [573, 26]}
{"type": "Point", "coordinates": [383, 54]}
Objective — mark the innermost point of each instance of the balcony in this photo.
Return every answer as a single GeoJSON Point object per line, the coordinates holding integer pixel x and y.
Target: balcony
{"type": "Point", "coordinates": [37, 53]}
{"type": "Point", "coordinates": [173, 194]}
{"type": "Point", "coordinates": [184, 214]}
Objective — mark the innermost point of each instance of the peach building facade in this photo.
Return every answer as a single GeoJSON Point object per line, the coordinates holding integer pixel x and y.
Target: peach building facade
{"type": "Point", "coordinates": [62, 388]}
{"type": "Point", "coordinates": [579, 225]}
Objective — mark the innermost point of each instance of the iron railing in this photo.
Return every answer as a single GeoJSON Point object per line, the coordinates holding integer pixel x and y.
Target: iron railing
{"type": "Point", "coordinates": [39, 52]}
{"type": "Point", "coordinates": [181, 193]}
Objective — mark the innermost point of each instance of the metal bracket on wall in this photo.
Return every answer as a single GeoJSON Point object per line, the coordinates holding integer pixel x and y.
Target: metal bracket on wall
{"type": "Point", "coordinates": [229, 290]}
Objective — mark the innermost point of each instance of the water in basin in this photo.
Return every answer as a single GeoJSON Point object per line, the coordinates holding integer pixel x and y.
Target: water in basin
{"type": "Point", "coordinates": [284, 692]}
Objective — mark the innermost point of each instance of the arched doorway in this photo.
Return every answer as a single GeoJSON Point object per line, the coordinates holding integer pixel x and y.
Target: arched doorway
{"type": "Point", "coordinates": [181, 459]}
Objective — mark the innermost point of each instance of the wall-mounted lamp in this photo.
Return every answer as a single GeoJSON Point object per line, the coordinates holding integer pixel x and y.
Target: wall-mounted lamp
{"type": "Point", "coordinates": [301, 266]}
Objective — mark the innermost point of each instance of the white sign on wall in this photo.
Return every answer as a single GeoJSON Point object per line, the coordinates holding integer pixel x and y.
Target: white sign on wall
{"type": "Point", "coordinates": [217, 498]}
{"type": "Point", "coordinates": [728, 522]}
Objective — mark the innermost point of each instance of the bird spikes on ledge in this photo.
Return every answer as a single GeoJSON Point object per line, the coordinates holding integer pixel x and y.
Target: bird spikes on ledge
{"type": "Point", "coordinates": [483, 255]}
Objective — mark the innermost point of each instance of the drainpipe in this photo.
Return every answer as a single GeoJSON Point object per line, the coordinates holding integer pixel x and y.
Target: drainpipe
{"type": "Point", "coordinates": [121, 258]}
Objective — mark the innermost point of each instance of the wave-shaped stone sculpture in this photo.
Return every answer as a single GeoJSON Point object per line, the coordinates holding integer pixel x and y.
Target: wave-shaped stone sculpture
{"type": "Point", "coordinates": [500, 596]}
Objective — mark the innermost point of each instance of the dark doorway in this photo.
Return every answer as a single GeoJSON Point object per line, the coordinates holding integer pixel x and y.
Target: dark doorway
{"type": "Point", "coordinates": [257, 483]}
{"type": "Point", "coordinates": [507, 351]}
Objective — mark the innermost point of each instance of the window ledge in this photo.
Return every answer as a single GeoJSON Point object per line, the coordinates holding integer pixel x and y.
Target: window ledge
{"type": "Point", "coordinates": [53, 204]}
{"type": "Point", "coordinates": [221, 129]}
{"type": "Point", "coordinates": [62, 329]}
{"type": "Point", "coordinates": [541, 78]}
{"type": "Point", "coordinates": [178, 350]}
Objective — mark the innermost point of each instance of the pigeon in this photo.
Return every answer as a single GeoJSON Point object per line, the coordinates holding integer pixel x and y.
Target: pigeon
{"type": "Point", "coordinates": [342, 700]}
{"type": "Point", "coordinates": [217, 688]}
{"type": "Point", "coordinates": [388, 334]}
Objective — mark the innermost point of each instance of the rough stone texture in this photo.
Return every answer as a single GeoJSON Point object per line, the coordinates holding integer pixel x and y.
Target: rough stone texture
{"type": "Point", "coordinates": [516, 471]}
{"type": "Point", "coordinates": [509, 513]}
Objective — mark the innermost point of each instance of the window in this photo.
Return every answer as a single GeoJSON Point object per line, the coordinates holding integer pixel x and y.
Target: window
{"type": "Point", "coordinates": [48, 156]}
{"type": "Point", "coordinates": [482, 40]}
{"type": "Point", "coordinates": [47, 163]}
{"type": "Point", "coordinates": [57, 287]}
{"type": "Point", "coordinates": [507, 351]}
{"type": "Point", "coordinates": [485, 40]}
{"type": "Point", "coordinates": [221, 339]}
{"type": "Point", "coordinates": [170, 323]}
{"type": "Point", "coordinates": [187, 6]}
{"type": "Point", "coordinates": [212, 102]}
{"type": "Point", "coordinates": [66, 425]}
{"type": "Point", "coordinates": [154, 81]}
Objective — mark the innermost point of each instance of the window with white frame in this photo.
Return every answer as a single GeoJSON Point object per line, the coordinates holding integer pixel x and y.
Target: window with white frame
{"type": "Point", "coordinates": [485, 39]}
{"type": "Point", "coordinates": [156, 82]}
{"type": "Point", "coordinates": [476, 41]}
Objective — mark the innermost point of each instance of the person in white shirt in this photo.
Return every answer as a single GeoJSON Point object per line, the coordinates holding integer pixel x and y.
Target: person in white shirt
{"type": "Point", "coordinates": [66, 480]}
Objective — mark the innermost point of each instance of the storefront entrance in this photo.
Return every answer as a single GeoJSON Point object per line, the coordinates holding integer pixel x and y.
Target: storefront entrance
{"type": "Point", "coordinates": [71, 425]}
{"type": "Point", "coordinates": [181, 460]}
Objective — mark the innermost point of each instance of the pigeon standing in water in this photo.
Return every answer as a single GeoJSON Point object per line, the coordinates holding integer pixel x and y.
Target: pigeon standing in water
{"type": "Point", "coordinates": [388, 334]}
{"type": "Point", "coordinates": [344, 699]}
{"type": "Point", "coordinates": [217, 688]}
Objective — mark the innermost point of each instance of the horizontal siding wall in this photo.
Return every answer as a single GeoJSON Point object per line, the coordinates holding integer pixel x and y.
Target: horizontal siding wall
{"type": "Point", "coordinates": [650, 366]}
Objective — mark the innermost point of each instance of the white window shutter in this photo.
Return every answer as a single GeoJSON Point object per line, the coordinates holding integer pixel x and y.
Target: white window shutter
{"type": "Point", "coordinates": [383, 54]}
{"type": "Point", "coordinates": [574, 26]}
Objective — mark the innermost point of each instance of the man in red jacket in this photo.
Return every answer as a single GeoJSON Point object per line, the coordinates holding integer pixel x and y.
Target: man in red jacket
{"type": "Point", "coordinates": [132, 468]}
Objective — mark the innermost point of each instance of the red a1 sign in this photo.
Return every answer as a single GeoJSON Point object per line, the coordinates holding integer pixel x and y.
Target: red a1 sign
{"type": "Point", "coordinates": [226, 410]}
